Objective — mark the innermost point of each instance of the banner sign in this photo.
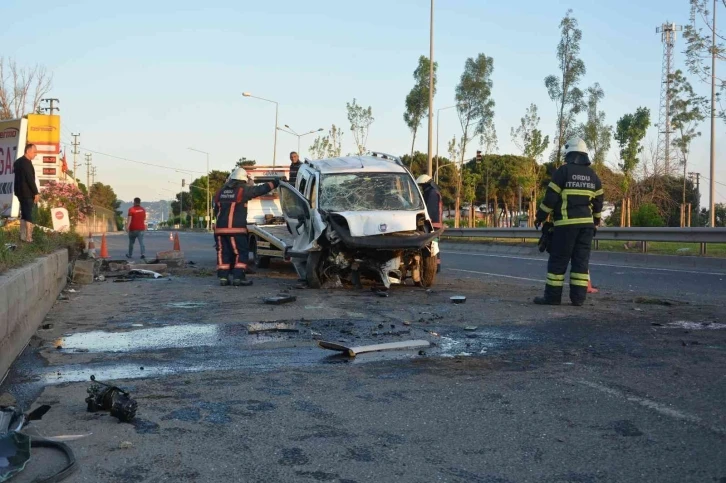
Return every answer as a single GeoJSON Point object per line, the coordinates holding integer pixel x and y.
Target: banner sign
{"type": "Point", "coordinates": [12, 145]}
{"type": "Point", "coordinates": [44, 132]}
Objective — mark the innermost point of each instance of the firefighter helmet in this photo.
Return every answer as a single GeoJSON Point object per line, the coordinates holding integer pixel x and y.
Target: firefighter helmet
{"type": "Point", "coordinates": [238, 174]}
{"type": "Point", "coordinates": [575, 145]}
{"type": "Point", "coordinates": [423, 179]}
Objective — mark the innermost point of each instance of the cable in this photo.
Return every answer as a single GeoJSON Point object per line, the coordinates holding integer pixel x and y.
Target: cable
{"type": "Point", "coordinates": [142, 162]}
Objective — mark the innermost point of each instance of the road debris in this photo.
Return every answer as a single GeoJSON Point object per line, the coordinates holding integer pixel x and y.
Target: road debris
{"type": "Point", "coordinates": [104, 397]}
{"type": "Point", "coordinates": [688, 325]}
{"type": "Point", "coordinates": [354, 351]}
{"type": "Point", "coordinates": [658, 301]}
{"type": "Point", "coordinates": [186, 305]}
{"type": "Point", "coordinates": [145, 273]}
{"type": "Point", "coordinates": [280, 299]}
{"type": "Point", "coordinates": [257, 327]}
{"type": "Point", "coordinates": [126, 445]}
{"type": "Point", "coordinates": [458, 299]}
{"type": "Point", "coordinates": [471, 328]}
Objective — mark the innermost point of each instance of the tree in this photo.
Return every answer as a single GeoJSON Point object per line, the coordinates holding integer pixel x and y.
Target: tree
{"type": "Point", "coordinates": [596, 134]}
{"type": "Point", "coordinates": [21, 88]}
{"type": "Point", "coordinates": [488, 139]}
{"type": "Point", "coordinates": [562, 88]}
{"type": "Point", "coordinates": [475, 107]}
{"type": "Point", "coordinates": [329, 146]}
{"type": "Point", "coordinates": [528, 138]}
{"type": "Point", "coordinates": [198, 187]}
{"type": "Point", "coordinates": [360, 120]}
{"type": "Point", "coordinates": [631, 129]}
{"type": "Point", "coordinates": [417, 101]}
{"type": "Point", "coordinates": [647, 215]}
{"type": "Point", "coordinates": [243, 163]}
{"type": "Point", "coordinates": [104, 196]}
{"type": "Point", "coordinates": [719, 215]}
{"type": "Point", "coordinates": [686, 114]}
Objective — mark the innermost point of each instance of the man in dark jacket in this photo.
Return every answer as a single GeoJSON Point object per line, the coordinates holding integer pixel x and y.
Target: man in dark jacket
{"type": "Point", "coordinates": [294, 167]}
{"type": "Point", "coordinates": [574, 198]}
{"type": "Point", "coordinates": [230, 209]}
{"type": "Point", "coordinates": [26, 191]}
{"type": "Point", "coordinates": [434, 206]}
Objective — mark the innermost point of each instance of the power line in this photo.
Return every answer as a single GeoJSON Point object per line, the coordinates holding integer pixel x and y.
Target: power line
{"type": "Point", "coordinates": [142, 162]}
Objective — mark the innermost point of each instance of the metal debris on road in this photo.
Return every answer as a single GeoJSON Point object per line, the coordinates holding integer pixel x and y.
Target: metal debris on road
{"type": "Point", "coordinates": [354, 351]}
{"type": "Point", "coordinates": [257, 327]}
{"type": "Point", "coordinates": [471, 328]}
{"type": "Point", "coordinates": [145, 273]}
{"type": "Point", "coordinates": [458, 299]}
{"type": "Point", "coordinates": [280, 299]}
{"type": "Point", "coordinates": [104, 397]}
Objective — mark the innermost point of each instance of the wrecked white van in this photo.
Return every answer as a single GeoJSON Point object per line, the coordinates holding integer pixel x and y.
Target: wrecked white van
{"type": "Point", "coordinates": [359, 216]}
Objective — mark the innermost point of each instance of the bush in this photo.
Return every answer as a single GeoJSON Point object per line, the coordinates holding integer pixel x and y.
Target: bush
{"type": "Point", "coordinates": [647, 215]}
{"type": "Point", "coordinates": [44, 243]}
{"type": "Point", "coordinates": [42, 216]}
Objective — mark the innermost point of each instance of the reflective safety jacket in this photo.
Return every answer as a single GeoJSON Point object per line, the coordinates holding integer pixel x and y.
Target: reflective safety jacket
{"type": "Point", "coordinates": [574, 197]}
{"type": "Point", "coordinates": [230, 206]}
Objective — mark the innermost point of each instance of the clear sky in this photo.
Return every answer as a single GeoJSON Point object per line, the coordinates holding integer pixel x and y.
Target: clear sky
{"type": "Point", "coordinates": [145, 80]}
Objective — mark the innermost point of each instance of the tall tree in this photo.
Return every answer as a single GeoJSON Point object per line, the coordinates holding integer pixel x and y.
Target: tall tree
{"type": "Point", "coordinates": [528, 138]}
{"type": "Point", "coordinates": [488, 140]}
{"type": "Point", "coordinates": [329, 146]}
{"type": "Point", "coordinates": [417, 101]}
{"type": "Point", "coordinates": [596, 134]}
{"type": "Point", "coordinates": [562, 88]}
{"type": "Point", "coordinates": [474, 105]}
{"type": "Point", "coordinates": [629, 134]}
{"type": "Point", "coordinates": [360, 119]}
{"type": "Point", "coordinates": [243, 163]}
{"type": "Point", "coordinates": [104, 196]}
{"type": "Point", "coordinates": [198, 187]}
{"type": "Point", "coordinates": [21, 88]}
{"type": "Point", "coordinates": [686, 114]}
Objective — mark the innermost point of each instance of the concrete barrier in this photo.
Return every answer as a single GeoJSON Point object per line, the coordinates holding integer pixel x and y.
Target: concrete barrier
{"type": "Point", "coordinates": [26, 296]}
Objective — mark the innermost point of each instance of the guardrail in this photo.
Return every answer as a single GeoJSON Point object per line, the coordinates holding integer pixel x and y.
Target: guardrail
{"type": "Point", "coordinates": [703, 236]}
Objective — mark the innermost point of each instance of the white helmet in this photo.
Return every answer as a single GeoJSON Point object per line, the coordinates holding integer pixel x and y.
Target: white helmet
{"type": "Point", "coordinates": [423, 179]}
{"type": "Point", "coordinates": [575, 145]}
{"type": "Point", "coordinates": [238, 174]}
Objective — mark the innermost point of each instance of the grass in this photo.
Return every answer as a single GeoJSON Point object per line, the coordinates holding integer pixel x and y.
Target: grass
{"type": "Point", "coordinates": [716, 250]}
{"type": "Point", "coordinates": [44, 243]}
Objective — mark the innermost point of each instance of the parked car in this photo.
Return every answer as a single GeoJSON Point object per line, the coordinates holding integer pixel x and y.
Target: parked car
{"type": "Point", "coordinates": [359, 216]}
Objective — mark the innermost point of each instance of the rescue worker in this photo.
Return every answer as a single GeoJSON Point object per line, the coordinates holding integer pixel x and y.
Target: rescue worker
{"type": "Point", "coordinates": [230, 209]}
{"type": "Point", "coordinates": [574, 198]}
{"type": "Point", "coordinates": [434, 205]}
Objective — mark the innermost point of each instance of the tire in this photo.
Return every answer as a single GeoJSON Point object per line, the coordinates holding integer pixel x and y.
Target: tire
{"type": "Point", "coordinates": [260, 262]}
{"type": "Point", "coordinates": [312, 270]}
{"type": "Point", "coordinates": [429, 271]}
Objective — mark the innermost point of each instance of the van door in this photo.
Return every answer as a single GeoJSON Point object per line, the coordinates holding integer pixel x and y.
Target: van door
{"type": "Point", "coordinates": [304, 222]}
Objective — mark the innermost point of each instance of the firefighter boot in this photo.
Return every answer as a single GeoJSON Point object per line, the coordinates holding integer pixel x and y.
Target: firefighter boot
{"type": "Point", "coordinates": [241, 281]}
{"type": "Point", "coordinates": [223, 282]}
{"type": "Point", "coordinates": [552, 296]}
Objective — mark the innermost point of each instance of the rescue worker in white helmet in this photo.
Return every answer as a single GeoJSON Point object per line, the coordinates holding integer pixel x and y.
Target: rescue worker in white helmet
{"type": "Point", "coordinates": [574, 199]}
{"type": "Point", "coordinates": [434, 206]}
{"type": "Point", "coordinates": [230, 209]}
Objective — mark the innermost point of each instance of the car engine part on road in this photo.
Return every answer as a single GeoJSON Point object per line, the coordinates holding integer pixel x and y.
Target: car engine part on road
{"type": "Point", "coordinates": [104, 397]}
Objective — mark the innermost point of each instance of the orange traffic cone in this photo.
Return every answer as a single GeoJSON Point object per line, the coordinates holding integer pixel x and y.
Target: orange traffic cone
{"type": "Point", "coordinates": [171, 236]}
{"type": "Point", "coordinates": [590, 288]}
{"type": "Point", "coordinates": [104, 248]}
{"type": "Point", "coordinates": [176, 243]}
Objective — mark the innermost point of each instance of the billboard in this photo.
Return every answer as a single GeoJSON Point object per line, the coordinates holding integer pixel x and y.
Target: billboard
{"type": "Point", "coordinates": [12, 144]}
{"type": "Point", "coordinates": [44, 132]}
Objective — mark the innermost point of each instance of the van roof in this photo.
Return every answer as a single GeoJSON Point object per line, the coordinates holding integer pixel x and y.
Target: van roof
{"type": "Point", "coordinates": [356, 164]}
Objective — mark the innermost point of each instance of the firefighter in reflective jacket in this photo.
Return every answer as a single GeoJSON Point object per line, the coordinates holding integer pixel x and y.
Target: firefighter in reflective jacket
{"type": "Point", "coordinates": [434, 206]}
{"type": "Point", "coordinates": [230, 208]}
{"type": "Point", "coordinates": [574, 198]}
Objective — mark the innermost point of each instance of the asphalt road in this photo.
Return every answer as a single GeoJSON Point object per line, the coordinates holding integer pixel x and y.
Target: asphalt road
{"type": "Point", "coordinates": [616, 273]}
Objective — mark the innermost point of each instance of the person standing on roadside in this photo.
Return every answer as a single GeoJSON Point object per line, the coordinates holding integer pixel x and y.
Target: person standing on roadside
{"type": "Point", "coordinates": [26, 190]}
{"type": "Point", "coordinates": [294, 167]}
{"type": "Point", "coordinates": [135, 226]}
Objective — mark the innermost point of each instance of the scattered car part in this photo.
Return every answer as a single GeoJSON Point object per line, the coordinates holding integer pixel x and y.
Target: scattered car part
{"type": "Point", "coordinates": [256, 327]}
{"type": "Point", "coordinates": [354, 351]}
{"type": "Point", "coordinates": [104, 397]}
{"type": "Point", "coordinates": [280, 299]}
{"type": "Point", "coordinates": [470, 328]}
{"type": "Point", "coordinates": [458, 299]}
{"type": "Point", "coordinates": [145, 273]}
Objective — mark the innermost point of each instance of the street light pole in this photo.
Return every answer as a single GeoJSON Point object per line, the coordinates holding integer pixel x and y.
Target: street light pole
{"type": "Point", "coordinates": [209, 208]}
{"type": "Point", "coordinates": [712, 190]}
{"type": "Point", "coordinates": [274, 148]}
{"type": "Point", "coordinates": [292, 131]}
{"type": "Point", "coordinates": [431, 92]}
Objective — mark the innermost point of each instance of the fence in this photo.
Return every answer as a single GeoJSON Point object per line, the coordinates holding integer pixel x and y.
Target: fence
{"type": "Point", "coordinates": [101, 221]}
{"type": "Point", "coordinates": [644, 235]}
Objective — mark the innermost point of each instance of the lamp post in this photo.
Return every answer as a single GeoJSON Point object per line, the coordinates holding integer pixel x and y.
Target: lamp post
{"type": "Point", "coordinates": [437, 136]}
{"type": "Point", "coordinates": [292, 131]}
{"type": "Point", "coordinates": [431, 91]}
{"type": "Point", "coordinates": [274, 148]}
{"type": "Point", "coordinates": [209, 214]}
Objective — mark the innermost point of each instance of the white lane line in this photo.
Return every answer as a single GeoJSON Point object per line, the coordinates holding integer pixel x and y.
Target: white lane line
{"type": "Point", "coordinates": [496, 275]}
{"type": "Point", "coordinates": [653, 405]}
{"type": "Point", "coordinates": [632, 267]}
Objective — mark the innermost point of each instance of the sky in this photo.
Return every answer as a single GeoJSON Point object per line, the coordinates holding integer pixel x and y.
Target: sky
{"type": "Point", "coordinates": [146, 80]}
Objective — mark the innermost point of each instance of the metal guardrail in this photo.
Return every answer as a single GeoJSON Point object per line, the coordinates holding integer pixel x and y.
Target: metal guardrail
{"type": "Point", "coordinates": [637, 234]}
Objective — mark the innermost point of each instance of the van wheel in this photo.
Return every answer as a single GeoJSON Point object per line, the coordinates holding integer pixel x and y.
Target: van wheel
{"type": "Point", "coordinates": [260, 262]}
{"type": "Point", "coordinates": [312, 269]}
{"type": "Point", "coordinates": [429, 271]}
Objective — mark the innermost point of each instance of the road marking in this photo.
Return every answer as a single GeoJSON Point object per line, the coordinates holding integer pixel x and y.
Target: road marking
{"type": "Point", "coordinates": [497, 275]}
{"type": "Point", "coordinates": [653, 405]}
{"type": "Point", "coordinates": [591, 263]}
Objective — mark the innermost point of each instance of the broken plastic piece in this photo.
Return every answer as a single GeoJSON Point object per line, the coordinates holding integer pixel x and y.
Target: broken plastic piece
{"type": "Point", "coordinates": [271, 327]}
{"type": "Point", "coordinates": [458, 299]}
{"type": "Point", "coordinates": [145, 273]}
{"type": "Point", "coordinates": [471, 328]}
{"type": "Point", "coordinates": [280, 299]}
{"type": "Point", "coordinates": [353, 351]}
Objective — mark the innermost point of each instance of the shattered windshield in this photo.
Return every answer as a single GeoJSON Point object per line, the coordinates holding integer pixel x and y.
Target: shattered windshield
{"type": "Point", "coordinates": [369, 192]}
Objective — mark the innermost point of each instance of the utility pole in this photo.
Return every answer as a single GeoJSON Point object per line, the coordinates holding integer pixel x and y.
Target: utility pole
{"type": "Point", "coordinates": [88, 172]}
{"type": "Point", "coordinates": [668, 33]}
{"type": "Point", "coordinates": [431, 92]}
{"type": "Point", "coordinates": [52, 108]}
{"type": "Point", "coordinates": [93, 176]}
{"type": "Point", "coordinates": [712, 191]}
{"type": "Point", "coordinates": [75, 153]}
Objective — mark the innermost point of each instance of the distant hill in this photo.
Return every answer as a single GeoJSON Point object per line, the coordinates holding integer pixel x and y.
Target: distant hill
{"type": "Point", "coordinates": [154, 209]}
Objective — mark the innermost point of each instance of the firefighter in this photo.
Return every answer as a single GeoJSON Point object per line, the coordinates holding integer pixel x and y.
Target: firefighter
{"type": "Point", "coordinates": [574, 198]}
{"type": "Point", "coordinates": [230, 209]}
{"type": "Point", "coordinates": [434, 205]}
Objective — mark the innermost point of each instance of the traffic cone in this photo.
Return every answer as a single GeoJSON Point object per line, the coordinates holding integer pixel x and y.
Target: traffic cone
{"type": "Point", "coordinates": [590, 288]}
{"type": "Point", "coordinates": [104, 248]}
{"type": "Point", "coordinates": [171, 236]}
{"type": "Point", "coordinates": [91, 243]}
{"type": "Point", "coordinates": [176, 243]}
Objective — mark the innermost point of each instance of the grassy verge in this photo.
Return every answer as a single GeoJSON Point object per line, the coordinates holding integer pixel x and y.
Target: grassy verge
{"type": "Point", "coordinates": [716, 250]}
{"type": "Point", "coordinates": [43, 244]}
